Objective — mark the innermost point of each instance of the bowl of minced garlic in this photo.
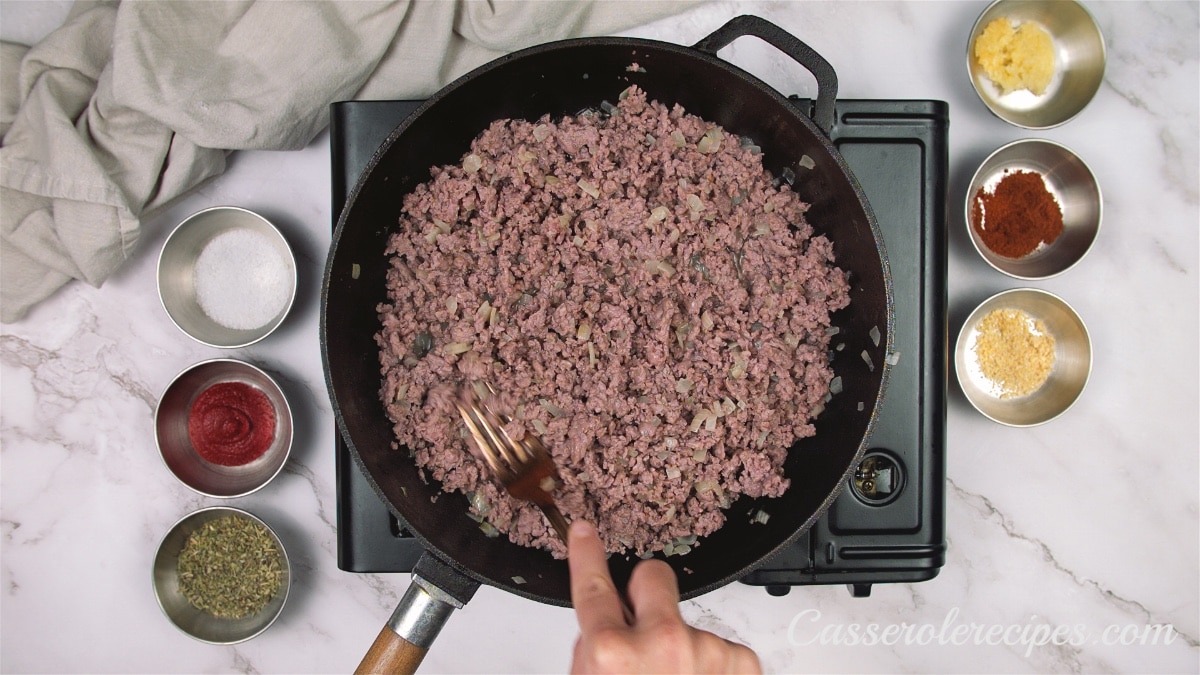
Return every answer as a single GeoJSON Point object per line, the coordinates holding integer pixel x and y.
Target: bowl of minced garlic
{"type": "Point", "coordinates": [1036, 63]}
{"type": "Point", "coordinates": [1023, 357]}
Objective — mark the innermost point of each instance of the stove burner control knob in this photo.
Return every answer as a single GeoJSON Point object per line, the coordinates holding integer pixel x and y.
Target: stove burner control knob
{"type": "Point", "coordinates": [879, 478]}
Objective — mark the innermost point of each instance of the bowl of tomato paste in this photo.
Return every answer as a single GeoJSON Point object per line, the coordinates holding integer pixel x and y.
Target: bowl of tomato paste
{"type": "Point", "coordinates": [224, 428]}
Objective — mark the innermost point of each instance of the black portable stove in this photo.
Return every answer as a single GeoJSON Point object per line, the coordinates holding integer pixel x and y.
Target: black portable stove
{"type": "Point", "coordinates": [888, 526]}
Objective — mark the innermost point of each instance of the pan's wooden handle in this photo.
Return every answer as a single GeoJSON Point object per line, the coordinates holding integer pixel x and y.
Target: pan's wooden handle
{"type": "Point", "coordinates": [391, 653]}
{"type": "Point", "coordinates": [403, 642]}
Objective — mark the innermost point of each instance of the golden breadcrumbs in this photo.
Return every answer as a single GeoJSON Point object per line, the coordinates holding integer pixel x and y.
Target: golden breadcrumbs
{"type": "Point", "coordinates": [1015, 352]}
{"type": "Point", "coordinates": [1020, 57]}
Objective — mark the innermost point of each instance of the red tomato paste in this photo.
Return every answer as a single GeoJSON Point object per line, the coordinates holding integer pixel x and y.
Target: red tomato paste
{"type": "Point", "coordinates": [231, 423]}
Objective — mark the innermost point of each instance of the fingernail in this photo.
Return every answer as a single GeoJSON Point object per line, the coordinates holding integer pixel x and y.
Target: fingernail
{"type": "Point", "coordinates": [582, 528]}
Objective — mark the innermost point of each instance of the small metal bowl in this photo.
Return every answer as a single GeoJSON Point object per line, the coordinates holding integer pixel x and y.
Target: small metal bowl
{"type": "Point", "coordinates": [1071, 182]}
{"type": "Point", "coordinates": [197, 623]}
{"type": "Point", "coordinates": [1079, 62]}
{"type": "Point", "coordinates": [1072, 360]}
{"type": "Point", "coordinates": [177, 283]}
{"type": "Point", "coordinates": [171, 431]}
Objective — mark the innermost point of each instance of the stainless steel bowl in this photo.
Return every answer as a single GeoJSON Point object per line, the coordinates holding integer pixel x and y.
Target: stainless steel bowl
{"type": "Point", "coordinates": [194, 622]}
{"type": "Point", "coordinates": [1079, 63]}
{"type": "Point", "coordinates": [1072, 360]}
{"type": "Point", "coordinates": [177, 275]}
{"type": "Point", "coordinates": [171, 431]}
{"type": "Point", "coordinates": [1071, 182]}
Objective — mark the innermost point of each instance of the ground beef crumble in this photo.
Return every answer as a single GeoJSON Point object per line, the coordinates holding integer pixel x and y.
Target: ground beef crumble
{"type": "Point", "coordinates": [654, 305]}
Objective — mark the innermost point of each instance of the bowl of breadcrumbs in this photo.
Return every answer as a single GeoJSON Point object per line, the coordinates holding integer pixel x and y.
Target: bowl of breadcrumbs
{"type": "Point", "coordinates": [1023, 357]}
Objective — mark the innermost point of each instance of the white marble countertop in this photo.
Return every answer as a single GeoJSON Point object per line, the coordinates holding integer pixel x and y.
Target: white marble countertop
{"type": "Point", "coordinates": [1089, 522]}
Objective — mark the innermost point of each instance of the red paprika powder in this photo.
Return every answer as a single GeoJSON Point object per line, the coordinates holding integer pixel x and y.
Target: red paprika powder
{"type": "Point", "coordinates": [1017, 216]}
{"type": "Point", "coordinates": [231, 424]}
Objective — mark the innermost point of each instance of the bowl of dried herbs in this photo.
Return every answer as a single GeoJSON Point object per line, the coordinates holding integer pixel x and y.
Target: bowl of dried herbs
{"type": "Point", "coordinates": [221, 575]}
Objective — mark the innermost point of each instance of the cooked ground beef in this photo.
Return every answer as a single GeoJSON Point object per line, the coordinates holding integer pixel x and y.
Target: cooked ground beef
{"type": "Point", "coordinates": [651, 302]}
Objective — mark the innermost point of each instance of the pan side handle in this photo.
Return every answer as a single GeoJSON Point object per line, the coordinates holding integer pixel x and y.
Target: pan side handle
{"type": "Point", "coordinates": [827, 84]}
{"type": "Point", "coordinates": [402, 644]}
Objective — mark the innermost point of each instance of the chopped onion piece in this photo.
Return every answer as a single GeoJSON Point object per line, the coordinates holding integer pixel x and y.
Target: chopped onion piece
{"type": "Point", "coordinates": [710, 423]}
{"type": "Point", "coordinates": [518, 580]}
{"type": "Point", "coordinates": [739, 367]}
{"type": "Point", "coordinates": [892, 358]}
{"type": "Point", "coordinates": [539, 426]}
{"type": "Point", "coordinates": [584, 331]}
{"type": "Point", "coordinates": [867, 358]}
{"type": "Point", "coordinates": [541, 132]}
{"type": "Point", "coordinates": [480, 503]}
{"type": "Point", "coordinates": [457, 348]}
{"type": "Point", "coordinates": [472, 163]}
{"type": "Point", "coordinates": [554, 410]}
{"type": "Point", "coordinates": [673, 473]}
{"type": "Point", "coordinates": [835, 385]}
{"type": "Point", "coordinates": [875, 335]}
{"type": "Point", "coordinates": [806, 162]}
{"type": "Point", "coordinates": [711, 143]}
{"type": "Point", "coordinates": [683, 385]}
{"type": "Point", "coordinates": [590, 188]}
{"type": "Point", "coordinates": [355, 270]}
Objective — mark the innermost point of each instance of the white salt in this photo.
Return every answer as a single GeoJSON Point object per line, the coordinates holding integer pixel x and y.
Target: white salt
{"type": "Point", "coordinates": [242, 282]}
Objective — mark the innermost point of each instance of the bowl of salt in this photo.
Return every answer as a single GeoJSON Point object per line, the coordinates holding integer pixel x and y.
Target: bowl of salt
{"type": "Point", "coordinates": [226, 277]}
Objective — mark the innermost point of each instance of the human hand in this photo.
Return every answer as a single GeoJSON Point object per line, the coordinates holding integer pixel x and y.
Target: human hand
{"type": "Point", "coordinates": [658, 641]}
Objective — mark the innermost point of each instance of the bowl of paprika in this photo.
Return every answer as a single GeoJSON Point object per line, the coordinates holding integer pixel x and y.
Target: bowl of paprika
{"type": "Point", "coordinates": [224, 428]}
{"type": "Point", "coordinates": [1033, 209]}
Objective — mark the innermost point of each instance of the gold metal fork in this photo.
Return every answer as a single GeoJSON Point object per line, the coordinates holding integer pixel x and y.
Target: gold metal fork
{"type": "Point", "coordinates": [524, 467]}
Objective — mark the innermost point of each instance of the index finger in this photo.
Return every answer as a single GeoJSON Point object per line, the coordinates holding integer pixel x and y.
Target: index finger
{"type": "Point", "coordinates": [597, 603]}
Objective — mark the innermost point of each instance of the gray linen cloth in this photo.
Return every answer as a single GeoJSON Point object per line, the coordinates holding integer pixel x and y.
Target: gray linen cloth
{"type": "Point", "coordinates": [128, 105]}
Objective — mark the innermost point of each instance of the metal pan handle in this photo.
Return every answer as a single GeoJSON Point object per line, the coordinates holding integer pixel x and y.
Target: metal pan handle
{"type": "Point", "coordinates": [437, 589]}
{"type": "Point", "coordinates": [790, 45]}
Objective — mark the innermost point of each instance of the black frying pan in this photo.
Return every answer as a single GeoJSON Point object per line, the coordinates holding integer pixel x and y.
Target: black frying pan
{"type": "Point", "coordinates": [563, 78]}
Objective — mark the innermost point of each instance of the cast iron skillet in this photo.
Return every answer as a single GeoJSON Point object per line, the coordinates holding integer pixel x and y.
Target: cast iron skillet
{"type": "Point", "coordinates": [563, 78]}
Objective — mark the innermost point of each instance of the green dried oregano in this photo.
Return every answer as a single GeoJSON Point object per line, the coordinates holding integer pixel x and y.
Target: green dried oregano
{"type": "Point", "coordinates": [229, 568]}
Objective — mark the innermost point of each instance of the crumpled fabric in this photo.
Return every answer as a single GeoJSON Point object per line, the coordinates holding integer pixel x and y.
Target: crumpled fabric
{"type": "Point", "coordinates": [129, 105]}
